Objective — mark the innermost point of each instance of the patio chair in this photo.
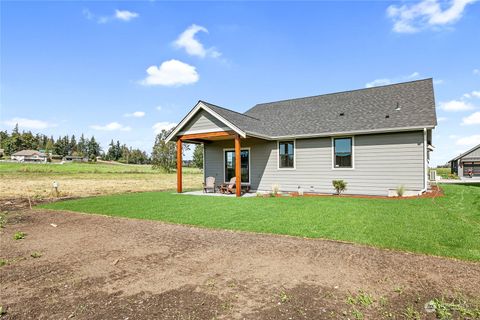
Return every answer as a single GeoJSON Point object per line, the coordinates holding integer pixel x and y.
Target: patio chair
{"type": "Point", "coordinates": [230, 187]}
{"type": "Point", "coordinates": [209, 184]}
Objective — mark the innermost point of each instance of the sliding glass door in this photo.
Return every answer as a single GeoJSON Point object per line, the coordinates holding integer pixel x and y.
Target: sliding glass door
{"type": "Point", "coordinates": [244, 164]}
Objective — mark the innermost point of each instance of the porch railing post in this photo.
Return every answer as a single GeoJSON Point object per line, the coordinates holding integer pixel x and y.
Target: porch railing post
{"type": "Point", "coordinates": [238, 171]}
{"type": "Point", "coordinates": [179, 165]}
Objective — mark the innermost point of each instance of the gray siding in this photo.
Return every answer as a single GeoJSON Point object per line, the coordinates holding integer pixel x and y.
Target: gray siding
{"type": "Point", "coordinates": [382, 162]}
{"type": "Point", "coordinates": [204, 122]}
{"type": "Point", "coordinates": [473, 154]}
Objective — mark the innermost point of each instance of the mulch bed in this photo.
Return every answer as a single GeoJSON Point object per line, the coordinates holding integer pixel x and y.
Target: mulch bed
{"type": "Point", "coordinates": [435, 192]}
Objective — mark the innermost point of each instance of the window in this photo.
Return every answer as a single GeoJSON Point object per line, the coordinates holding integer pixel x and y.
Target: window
{"type": "Point", "coordinates": [343, 154]}
{"type": "Point", "coordinates": [244, 165]}
{"type": "Point", "coordinates": [286, 154]}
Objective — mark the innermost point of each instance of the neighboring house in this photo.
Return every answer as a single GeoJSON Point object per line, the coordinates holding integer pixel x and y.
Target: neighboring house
{"type": "Point", "coordinates": [29, 156]}
{"type": "Point", "coordinates": [375, 139]}
{"type": "Point", "coordinates": [75, 159]}
{"type": "Point", "coordinates": [467, 162]}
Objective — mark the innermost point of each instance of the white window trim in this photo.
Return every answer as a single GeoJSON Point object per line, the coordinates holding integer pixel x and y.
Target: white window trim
{"type": "Point", "coordinates": [249, 166]}
{"type": "Point", "coordinates": [353, 153]}
{"type": "Point", "coordinates": [294, 154]}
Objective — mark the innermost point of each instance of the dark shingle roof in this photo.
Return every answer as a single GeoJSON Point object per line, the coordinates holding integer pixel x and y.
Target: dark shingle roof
{"type": "Point", "coordinates": [465, 153]}
{"type": "Point", "coordinates": [390, 107]}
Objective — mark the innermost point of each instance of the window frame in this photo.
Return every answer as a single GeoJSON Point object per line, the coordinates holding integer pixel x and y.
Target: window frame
{"type": "Point", "coordinates": [249, 162]}
{"type": "Point", "coordinates": [294, 154]}
{"type": "Point", "coordinates": [353, 153]}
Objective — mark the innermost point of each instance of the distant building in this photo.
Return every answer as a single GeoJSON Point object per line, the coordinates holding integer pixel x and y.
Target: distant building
{"type": "Point", "coordinates": [468, 163]}
{"type": "Point", "coordinates": [75, 159]}
{"type": "Point", "coordinates": [29, 156]}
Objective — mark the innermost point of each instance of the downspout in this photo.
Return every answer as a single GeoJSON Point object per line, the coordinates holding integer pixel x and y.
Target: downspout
{"type": "Point", "coordinates": [425, 165]}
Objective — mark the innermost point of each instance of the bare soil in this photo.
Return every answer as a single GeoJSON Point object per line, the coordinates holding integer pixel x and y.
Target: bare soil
{"type": "Point", "coordinates": [96, 267]}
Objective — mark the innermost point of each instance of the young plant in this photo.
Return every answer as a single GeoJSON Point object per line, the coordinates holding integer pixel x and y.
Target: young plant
{"type": "Point", "coordinates": [400, 190]}
{"type": "Point", "coordinates": [275, 189]}
{"type": "Point", "coordinates": [35, 254]}
{"type": "Point", "coordinates": [339, 185]}
{"type": "Point", "coordinates": [19, 235]}
{"type": "Point", "coordinates": [3, 262]}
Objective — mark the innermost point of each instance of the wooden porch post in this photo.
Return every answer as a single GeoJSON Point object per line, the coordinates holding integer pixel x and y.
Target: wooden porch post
{"type": "Point", "coordinates": [238, 171]}
{"type": "Point", "coordinates": [179, 165]}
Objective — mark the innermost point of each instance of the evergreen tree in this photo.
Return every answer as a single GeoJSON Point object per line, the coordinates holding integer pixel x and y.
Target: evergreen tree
{"type": "Point", "coordinates": [198, 156]}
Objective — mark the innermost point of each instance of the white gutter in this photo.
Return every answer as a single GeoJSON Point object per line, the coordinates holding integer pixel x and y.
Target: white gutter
{"type": "Point", "coordinates": [425, 168]}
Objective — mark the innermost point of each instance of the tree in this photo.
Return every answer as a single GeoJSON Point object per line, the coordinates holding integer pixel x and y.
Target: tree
{"type": "Point", "coordinates": [93, 149]}
{"type": "Point", "coordinates": [198, 156]}
{"type": "Point", "coordinates": [164, 154]}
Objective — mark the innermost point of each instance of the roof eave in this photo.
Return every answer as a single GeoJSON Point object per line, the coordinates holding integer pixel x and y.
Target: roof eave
{"type": "Point", "coordinates": [201, 106]}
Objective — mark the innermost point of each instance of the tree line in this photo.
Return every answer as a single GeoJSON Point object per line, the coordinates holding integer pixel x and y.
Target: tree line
{"type": "Point", "coordinates": [164, 155]}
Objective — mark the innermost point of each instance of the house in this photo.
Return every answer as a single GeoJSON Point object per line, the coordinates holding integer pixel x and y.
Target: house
{"type": "Point", "coordinates": [71, 158]}
{"type": "Point", "coordinates": [375, 139]}
{"type": "Point", "coordinates": [467, 162]}
{"type": "Point", "coordinates": [29, 156]}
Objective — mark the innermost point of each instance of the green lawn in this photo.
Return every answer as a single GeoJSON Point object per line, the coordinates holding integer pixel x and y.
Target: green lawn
{"type": "Point", "coordinates": [445, 226]}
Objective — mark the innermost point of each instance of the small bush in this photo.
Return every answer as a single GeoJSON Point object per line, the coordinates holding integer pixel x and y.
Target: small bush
{"type": "Point", "coordinates": [400, 191]}
{"type": "Point", "coordinates": [339, 186]}
{"type": "Point", "coordinates": [19, 235]}
{"type": "Point", "coordinates": [275, 189]}
{"type": "Point", "coordinates": [3, 262]}
{"type": "Point", "coordinates": [35, 254]}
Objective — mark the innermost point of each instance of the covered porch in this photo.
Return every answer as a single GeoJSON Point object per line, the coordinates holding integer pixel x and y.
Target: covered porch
{"type": "Point", "coordinates": [209, 137]}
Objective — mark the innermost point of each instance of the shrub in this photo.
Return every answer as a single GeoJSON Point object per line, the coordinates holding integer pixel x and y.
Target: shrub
{"type": "Point", "coordinates": [400, 191]}
{"type": "Point", "coordinates": [19, 235]}
{"type": "Point", "coordinates": [275, 189]}
{"type": "Point", "coordinates": [35, 254]}
{"type": "Point", "coordinates": [339, 186]}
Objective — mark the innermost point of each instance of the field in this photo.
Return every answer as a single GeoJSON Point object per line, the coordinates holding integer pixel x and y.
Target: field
{"type": "Point", "coordinates": [167, 256]}
{"type": "Point", "coordinates": [444, 226]}
{"type": "Point", "coordinates": [86, 179]}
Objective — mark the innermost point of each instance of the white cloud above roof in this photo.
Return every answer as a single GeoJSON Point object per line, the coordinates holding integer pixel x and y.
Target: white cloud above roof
{"type": "Point", "coordinates": [171, 73]}
{"type": "Point", "coordinates": [474, 118]}
{"type": "Point", "coordinates": [136, 114]}
{"type": "Point", "coordinates": [24, 123]}
{"type": "Point", "coordinates": [456, 105]}
{"type": "Point", "coordinates": [159, 126]}
{"type": "Point", "coordinates": [112, 126]}
{"type": "Point", "coordinates": [411, 18]}
{"type": "Point", "coordinates": [186, 40]}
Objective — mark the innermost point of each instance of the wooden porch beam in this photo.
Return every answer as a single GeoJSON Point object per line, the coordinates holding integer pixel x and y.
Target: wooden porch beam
{"type": "Point", "coordinates": [206, 135]}
{"type": "Point", "coordinates": [179, 166]}
{"type": "Point", "coordinates": [238, 171]}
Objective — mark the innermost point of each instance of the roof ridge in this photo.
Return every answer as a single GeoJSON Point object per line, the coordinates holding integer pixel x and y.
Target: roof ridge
{"type": "Point", "coordinates": [242, 114]}
{"type": "Point", "coordinates": [340, 92]}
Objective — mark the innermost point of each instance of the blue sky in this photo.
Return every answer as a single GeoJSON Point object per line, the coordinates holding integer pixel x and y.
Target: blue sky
{"type": "Point", "coordinates": [122, 70]}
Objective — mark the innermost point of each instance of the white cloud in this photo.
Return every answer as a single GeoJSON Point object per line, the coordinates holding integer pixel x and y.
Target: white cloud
{"type": "Point", "coordinates": [386, 81]}
{"type": "Point", "coordinates": [411, 18]}
{"type": "Point", "coordinates": [474, 118]}
{"type": "Point", "coordinates": [469, 95]}
{"type": "Point", "coordinates": [24, 123]}
{"type": "Point", "coordinates": [442, 119]}
{"type": "Point", "coordinates": [192, 46]}
{"type": "Point", "coordinates": [136, 114]}
{"type": "Point", "coordinates": [476, 71]}
{"type": "Point", "coordinates": [171, 73]}
{"type": "Point", "coordinates": [453, 136]}
{"type": "Point", "coordinates": [125, 15]}
{"type": "Point", "coordinates": [438, 81]}
{"type": "Point", "coordinates": [159, 126]}
{"type": "Point", "coordinates": [469, 141]}
{"type": "Point", "coordinates": [456, 105]}
{"type": "Point", "coordinates": [159, 108]}
{"type": "Point", "coordinates": [122, 15]}
{"type": "Point", "coordinates": [112, 126]}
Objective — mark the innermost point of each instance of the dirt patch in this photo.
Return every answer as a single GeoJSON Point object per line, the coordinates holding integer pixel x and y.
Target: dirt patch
{"type": "Point", "coordinates": [96, 267]}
